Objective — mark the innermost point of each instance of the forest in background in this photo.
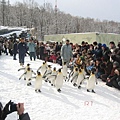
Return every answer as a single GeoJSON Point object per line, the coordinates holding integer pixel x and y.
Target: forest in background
{"type": "Point", "coordinates": [48, 19]}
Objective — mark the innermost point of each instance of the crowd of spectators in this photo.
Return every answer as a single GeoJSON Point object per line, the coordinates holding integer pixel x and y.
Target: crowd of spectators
{"type": "Point", "coordinates": [106, 59]}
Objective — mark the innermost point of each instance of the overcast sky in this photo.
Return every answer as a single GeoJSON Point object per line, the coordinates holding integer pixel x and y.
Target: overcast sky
{"type": "Point", "coordinates": [101, 9]}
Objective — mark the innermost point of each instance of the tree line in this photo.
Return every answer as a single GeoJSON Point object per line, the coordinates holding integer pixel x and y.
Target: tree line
{"type": "Point", "coordinates": [49, 20]}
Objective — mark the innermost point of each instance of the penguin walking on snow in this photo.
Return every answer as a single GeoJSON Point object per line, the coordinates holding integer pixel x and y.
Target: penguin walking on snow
{"type": "Point", "coordinates": [47, 73]}
{"type": "Point", "coordinates": [42, 68]}
{"type": "Point", "coordinates": [28, 74]}
{"type": "Point", "coordinates": [80, 78]}
{"type": "Point", "coordinates": [25, 69]}
{"type": "Point", "coordinates": [72, 70]}
{"type": "Point", "coordinates": [64, 70]}
{"type": "Point", "coordinates": [91, 81]}
{"type": "Point", "coordinates": [38, 82]}
{"type": "Point", "coordinates": [59, 81]}
{"type": "Point", "coordinates": [74, 77]}
{"type": "Point", "coordinates": [52, 77]}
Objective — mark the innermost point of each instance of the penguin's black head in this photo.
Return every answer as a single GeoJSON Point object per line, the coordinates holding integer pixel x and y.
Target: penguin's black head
{"type": "Point", "coordinates": [38, 73]}
{"type": "Point", "coordinates": [80, 70]}
{"type": "Point", "coordinates": [28, 69]}
{"type": "Point", "coordinates": [76, 69]}
{"type": "Point", "coordinates": [93, 70]}
{"type": "Point", "coordinates": [54, 68]}
{"type": "Point", "coordinates": [49, 66]}
{"type": "Point", "coordinates": [28, 64]}
{"type": "Point", "coordinates": [59, 70]}
{"type": "Point", "coordinates": [64, 63]}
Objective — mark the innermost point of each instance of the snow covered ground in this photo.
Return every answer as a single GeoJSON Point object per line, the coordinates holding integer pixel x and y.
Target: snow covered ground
{"type": "Point", "coordinates": [70, 104]}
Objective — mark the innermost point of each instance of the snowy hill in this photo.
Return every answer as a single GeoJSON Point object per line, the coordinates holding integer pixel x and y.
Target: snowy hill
{"type": "Point", "coordinates": [70, 104]}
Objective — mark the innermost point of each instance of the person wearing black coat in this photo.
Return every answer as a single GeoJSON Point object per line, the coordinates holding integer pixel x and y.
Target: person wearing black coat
{"type": "Point", "coordinates": [11, 107]}
{"type": "Point", "coordinates": [115, 80]}
{"type": "Point", "coordinates": [14, 50]}
{"type": "Point", "coordinates": [22, 49]}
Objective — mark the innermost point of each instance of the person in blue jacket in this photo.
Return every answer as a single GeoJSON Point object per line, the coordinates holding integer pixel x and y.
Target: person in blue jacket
{"type": "Point", "coordinates": [22, 49]}
{"type": "Point", "coordinates": [32, 49]}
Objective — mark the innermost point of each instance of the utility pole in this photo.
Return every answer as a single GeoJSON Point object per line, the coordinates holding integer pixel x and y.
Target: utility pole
{"type": "Point", "coordinates": [56, 10]}
{"type": "Point", "coordinates": [3, 12]}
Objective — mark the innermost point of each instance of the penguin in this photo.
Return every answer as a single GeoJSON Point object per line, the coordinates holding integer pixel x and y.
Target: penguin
{"type": "Point", "coordinates": [52, 77]}
{"type": "Point", "coordinates": [42, 68]}
{"type": "Point", "coordinates": [25, 69]}
{"type": "Point", "coordinates": [80, 78]}
{"type": "Point", "coordinates": [47, 73]}
{"type": "Point", "coordinates": [83, 71]}
{"type": "Point", "coordinates": [38, 82]}
{"type": "Point", "coordinates": [72, 72]}
{"type": "Point", "coordinates": [91, 81]}
{"type": "Point", "coordinates": [64, 70]}
{"type": "Point", "coordinates": [59, 81]}
{"type": "Point", "coordinates": [74, 77]}
{"type": "Point", "coordinates": [28, 74]}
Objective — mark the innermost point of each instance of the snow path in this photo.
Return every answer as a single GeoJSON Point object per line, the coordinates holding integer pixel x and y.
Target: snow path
{"type": "Point", "coordinates": [67, 105]}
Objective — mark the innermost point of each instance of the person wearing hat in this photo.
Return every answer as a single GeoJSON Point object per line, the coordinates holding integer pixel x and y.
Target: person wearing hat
{"type": "Point", "coordinates": [112, 46]}
{"type": "Point", "coordinates": [66, 52]}
{"type": "Point", "coordinates": [105, 52]}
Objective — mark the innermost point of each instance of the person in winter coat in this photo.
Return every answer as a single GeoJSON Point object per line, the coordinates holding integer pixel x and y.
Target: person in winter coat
{"type": "Point", "coordinates": [115, 80]}
{"type": "Point", "coordinates": [22, 49]}
{"type": "Point", "coordinates": [10, 107]}
{"type": "Point", "coordinates": [10, 47]}
{"type": "Point", "coordinates": [14, 50]}
{"type": "Point", "coordinates": [98, 51]}
{"type": "Point", "coordinates": [32, 49]}
{"type": "Point", "coordinates": [42, 51]}
{"type": "Point", "coordinates": [66, 52]}
{"type": "Point", "coordinates": [112, 46]}
{"type": "Point", "coordinates": [107, 66]}
{"type": "Point", "coordinates": [105, 52]}
{"type": "Point", "coordinates": [1, 47]}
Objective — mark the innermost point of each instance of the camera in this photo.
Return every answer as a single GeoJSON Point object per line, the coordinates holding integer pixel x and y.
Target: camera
{"type": "Point", "coordinates": [13, 107]}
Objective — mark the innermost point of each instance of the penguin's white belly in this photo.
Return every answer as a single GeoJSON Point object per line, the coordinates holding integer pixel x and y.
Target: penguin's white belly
{"type": "Point", "coordinates": [38, 83]}
{"type": "Point", "coordinates": [64, 71]}
{"type": "Point", "coordinates": [59, 82]}
{"type": "Point", "coordinates": [28, 76]}
{"type": "Point", "coordinates": [74, 78]}
{"type": "Point", "coordinates": [42, 70]}
{"type": "Point", "coordinates": [91, 82]}
{"type": "Point", "coordinates": [80, 79]}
